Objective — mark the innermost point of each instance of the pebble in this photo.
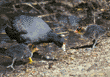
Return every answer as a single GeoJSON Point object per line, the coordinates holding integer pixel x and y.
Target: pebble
{"type": "Point", "coordinates": [101, 74]}
{"type": "Point", "coordinates": [80, 67]}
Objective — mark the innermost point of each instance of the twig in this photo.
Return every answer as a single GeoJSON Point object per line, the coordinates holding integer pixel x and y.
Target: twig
{"type": "Point", "coordinates": [94, 17]}
{"type": "Point", "coordinates": [45, 11]}
{"type": "Point", "coordinates": [46, 15]}
{"type": "Point", "coordinates": [29, 4]}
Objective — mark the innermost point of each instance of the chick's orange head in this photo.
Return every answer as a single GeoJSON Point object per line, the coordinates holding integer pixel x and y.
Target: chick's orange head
{"type": "Point", "coordinates": [79, 29]}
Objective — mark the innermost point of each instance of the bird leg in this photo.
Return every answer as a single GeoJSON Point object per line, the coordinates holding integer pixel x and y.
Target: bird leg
{"type": "Point", "coordinates": [88, 49]}
{"type": "Point", "coordinates": [64, 47]}
{"type": "Point", "coordinates": [94, 43]}
{"type": "Point", "coordinates": [12, 64]}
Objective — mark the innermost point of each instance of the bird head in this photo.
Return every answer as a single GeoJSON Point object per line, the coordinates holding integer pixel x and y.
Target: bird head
{"type": "Point", "coordinates": [55, 38]}
{"type": "Point", "coordinates": [58, 40]}
{"type": "Point", "coordinates": [33, 48]}
{"type": "Point", "coordinates": [79, 30]}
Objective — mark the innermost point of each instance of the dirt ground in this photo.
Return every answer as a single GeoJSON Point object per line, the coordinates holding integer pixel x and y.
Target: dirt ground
{"type": "Point", "coordinates": [75, 62]}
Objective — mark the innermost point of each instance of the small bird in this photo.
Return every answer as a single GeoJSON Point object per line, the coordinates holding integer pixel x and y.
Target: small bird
{"type": "Point", "coordinates": [19, 52]}
{"type": "Point", "coordinates": [92, 32]}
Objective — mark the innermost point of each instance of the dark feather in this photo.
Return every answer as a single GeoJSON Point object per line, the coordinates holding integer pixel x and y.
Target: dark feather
{"type": "Point", "coordinates": [37, 31]}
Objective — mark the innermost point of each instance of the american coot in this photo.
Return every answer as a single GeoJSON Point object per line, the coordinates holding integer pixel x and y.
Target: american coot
{"type": "Point", "coordinates": [93, 32]}
{"type": "Point", "coordinates": [30, 29]}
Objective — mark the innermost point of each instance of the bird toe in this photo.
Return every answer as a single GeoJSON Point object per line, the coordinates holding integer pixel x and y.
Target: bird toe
{"type": "Point", "coordinates": [31, 62]}
{"type": "Point", "coordinates": [11, 66]}
{"type": "Point", "coordinates": [88, 49]}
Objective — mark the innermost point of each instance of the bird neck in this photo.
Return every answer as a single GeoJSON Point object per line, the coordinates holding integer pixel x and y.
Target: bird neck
{"type": "Point", "coordinates": [51, 35]}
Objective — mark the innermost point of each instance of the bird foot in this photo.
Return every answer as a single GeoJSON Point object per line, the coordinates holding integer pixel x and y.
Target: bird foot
{"type": "Point", "coordinates": [11, 66]}
{"type": "Point", "coordinates": [94, 47]}
{"type": "Point", "coordinates": [30, 60]}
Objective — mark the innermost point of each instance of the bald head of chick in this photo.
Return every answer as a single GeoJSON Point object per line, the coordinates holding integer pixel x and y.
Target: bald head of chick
{"type": "Point", "coordinates": [80, 30]}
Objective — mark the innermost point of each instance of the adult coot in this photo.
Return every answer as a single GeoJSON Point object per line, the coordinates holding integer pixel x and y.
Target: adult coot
{"type": "Point", "coordinates": [32, 30]}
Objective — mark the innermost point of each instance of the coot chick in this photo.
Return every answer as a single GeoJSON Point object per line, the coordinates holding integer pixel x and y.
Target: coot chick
{"type": "Point", "coordinates": [92, 32]}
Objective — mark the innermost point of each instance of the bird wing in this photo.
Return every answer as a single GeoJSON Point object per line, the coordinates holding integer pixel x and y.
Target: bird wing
{"type": "Point", "coordinates": [37, 31]}
{"type": "Point", "coordinates": [35, 26]}
{"type": "Point", "coordinates": [94, 31]}
{"type": "Point", "coordinates": [18, 50]}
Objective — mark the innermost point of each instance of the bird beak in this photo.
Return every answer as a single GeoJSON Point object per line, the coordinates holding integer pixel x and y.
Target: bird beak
{"type": "Point", "coordinates": [102, 10]}
{"type": "Point", "coordinates": [64, 47]}
{"type": "Point", "coordinates": [76, 31]}
{"type": "Point", "coordinates": [36, 49]}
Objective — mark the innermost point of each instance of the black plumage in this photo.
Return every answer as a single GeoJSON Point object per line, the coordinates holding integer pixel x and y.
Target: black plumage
{"type": "Point", "coordinates": [18, 52]}
{"type": "Point", "coordinates": [12, 33]}
{"type": "Point", "coordinates": [29, 30]}
{"type": "Point", "coordinates": [37, 31]}
{"type": "Point", "coordinates": [92, 32]}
